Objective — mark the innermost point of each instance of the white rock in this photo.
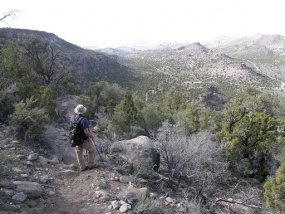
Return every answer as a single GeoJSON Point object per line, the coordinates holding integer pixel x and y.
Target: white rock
{"type": "Point", "coordinates": [115, 204]}
{"type": "Point", "coordinates": [33, 156]}
{"type": "Point", "coordinates": [124, 208]}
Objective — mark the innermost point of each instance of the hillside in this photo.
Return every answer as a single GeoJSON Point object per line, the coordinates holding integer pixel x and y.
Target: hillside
{"type": "Point", "coordinates": [85, 65]}
{"type": "Point", "coordinates": [191, 67]}
{"type": "Point", "coordinates": [263, 52]}
{"type": "Point", "coordinates": [225, 64]}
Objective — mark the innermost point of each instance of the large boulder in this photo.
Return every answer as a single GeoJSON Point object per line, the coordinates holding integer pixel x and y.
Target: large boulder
{"type": "Point", "coordinates": [137, 150]}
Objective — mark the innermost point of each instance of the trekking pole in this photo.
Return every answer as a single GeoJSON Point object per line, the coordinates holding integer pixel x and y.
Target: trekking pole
{"type": "Point", "coordinates": [97, 150]}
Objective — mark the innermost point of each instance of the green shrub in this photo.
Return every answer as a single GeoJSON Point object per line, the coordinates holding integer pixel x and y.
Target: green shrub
{"type": "Point", "coordinates": [4, 159]}
{"type": "Point", "coordinates": [146, 169]}
{"type": "Point", "coordinates": [29, 121]}
{"type": "Point", "coordinates": [274, 193]}
{"type": "Point", "coordinates": [148, 206]}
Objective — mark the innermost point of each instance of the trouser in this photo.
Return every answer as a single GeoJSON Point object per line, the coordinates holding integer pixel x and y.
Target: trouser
{"type": "Point", "coordinates": [90, 147]}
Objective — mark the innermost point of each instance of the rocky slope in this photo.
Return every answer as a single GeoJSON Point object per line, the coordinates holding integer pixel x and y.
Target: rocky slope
{"type": "Point", "coordinates": [264, 52]}
{"type": "Point", "coordinates": [85, 65]}
{"type": "Point", "coordinates": [191, 66]}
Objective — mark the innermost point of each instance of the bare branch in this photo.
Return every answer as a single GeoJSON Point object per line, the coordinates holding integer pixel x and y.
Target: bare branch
{"type": "Point", "coordinates": [11, 14]}
{"type": "Point", "coordinates": [241, 203]}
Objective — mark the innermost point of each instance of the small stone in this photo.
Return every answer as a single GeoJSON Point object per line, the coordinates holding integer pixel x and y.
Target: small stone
{"type": "Point", "coordinates": [20, 196]}
{"type": "Point", "coordinates": [24, 175]}
{"type": "Point", "coordinates": [153, 195]}
{"type": "Point", "coordinates": [125, 179]}
{"type": "Point", "coordinates": [115, 204]}
{"type": "Point", "coordinates": [44, 179]}
{"type": "Point", "coordinates": [29, 163]}
{"type": "Point", "coordinates": [16, 169]}
{"type": "Point", "coordinates": [15, 141]}
{"type": "Point", "coordinates": [33, 156]}
{"type": "Point", "coordinates": [73, 166]}
{"type": "Point", "coordinates": [42, 160]}
{"type": "Point", "coordinates": [21, 157]}
{"type": "Point", "coordinates": [169, 200]}
{"type": "Point", "coordinates": [104, 198]}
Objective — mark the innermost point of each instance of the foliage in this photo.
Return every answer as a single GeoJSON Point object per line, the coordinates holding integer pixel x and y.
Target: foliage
{"type": "Point", "coordinates": [146, 169]}
{"type": "Point", "coordinates": [274, 193]}
{"type": "Point", "coordinates": [128, 109]}
{"type": "Point", "coordinates": [117, 127]}
{"type": "Point", "coordinates": [173, 101]}
{"type": "Point", "coordinates": [7, 100]}
{"type": "Point", "coordinates": [105, 95]}
{"type": "Point", "coordinates": [46, 99]}
{"type": "Point", "coordinates": [32, 62]}
{"type": "Point", "coordinates": [69, 86]}
{"type": "Point", "coordinates": [148, 206]}
{"type": "Point", "coordinates": [251, 132]}
{"type": "Point", "coordinates": [195, 155]}
{"type": "Point", "coordinates": [152, 118]}
{"type": "Point", "coordinates": [192, 114]}
{"type": "Point", "coordinates": [210, 120]}
{"type": "Point", "coordinates": [29, 121]}
{"type": "Point", "coordinates": [5, 159]}
{"type": "Point", "coordinates": [280, 156]}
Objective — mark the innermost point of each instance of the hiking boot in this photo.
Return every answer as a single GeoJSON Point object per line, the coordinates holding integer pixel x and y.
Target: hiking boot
{"type": "Point", "coordinates": [84, 169]}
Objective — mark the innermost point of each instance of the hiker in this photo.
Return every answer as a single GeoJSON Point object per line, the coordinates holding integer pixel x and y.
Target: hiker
{"type": "Point", "coordinates": [88, 139]}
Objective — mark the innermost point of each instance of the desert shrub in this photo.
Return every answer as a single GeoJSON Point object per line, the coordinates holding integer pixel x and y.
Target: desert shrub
{"type": "Point", "coordinates": [252, 132]}
{"type": "Point", "coordinates": [28, 120]}
{"type": "Point", "coordinates": [146, 169]}
{"type": "Point", "coordinates": [148, 206]}
{"type": "Point", "coordinates": [274, 193]}
{"type": "Point", "coordinates": [46, 99]}
{"type": "Point", "coordinates": [195, 156]}
{"type": "Point", "coordinates": [7, 158]}
{"type": "Point", "coordinates": [280, 156]}
{"type": "Point", "coordinates": [136, 131]}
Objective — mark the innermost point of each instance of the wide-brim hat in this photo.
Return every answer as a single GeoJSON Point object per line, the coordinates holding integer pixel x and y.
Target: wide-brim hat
{"type": "Point", "coordinates": [80, 109]}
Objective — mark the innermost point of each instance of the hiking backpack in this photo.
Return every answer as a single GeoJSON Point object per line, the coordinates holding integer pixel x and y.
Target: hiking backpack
{"type": "Point", "coordinates": [76, 134]}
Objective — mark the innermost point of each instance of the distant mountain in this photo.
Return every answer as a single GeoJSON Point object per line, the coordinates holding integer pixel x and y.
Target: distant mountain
{"type": "Point", "coordinates": [226, 63]}
{"type": "Point", "coordinates": [191, 66]}
{"type": "Point", "coordinates": [265, 53]}
{"type": "Point", "coordinates": [84, 64]}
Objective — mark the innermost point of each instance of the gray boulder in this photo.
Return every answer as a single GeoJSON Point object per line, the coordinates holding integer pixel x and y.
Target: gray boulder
{"type": "Point", "coordinates": [31, 189]}
{"type": "Point", "coordinates": [137, 150]}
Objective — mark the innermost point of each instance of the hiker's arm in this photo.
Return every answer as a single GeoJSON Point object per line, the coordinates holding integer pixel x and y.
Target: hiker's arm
{"type": "Point", "coordinates": [88, 133]}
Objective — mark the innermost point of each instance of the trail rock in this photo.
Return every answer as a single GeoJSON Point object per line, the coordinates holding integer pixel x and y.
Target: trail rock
{"type": "Point", "coordinates": [115, 204]}
{"type": "Point", "coordinates": [32, 189]}
{"type": "Point", "coordinates": [125, 179]}
{"type": "Point", "coordinates": [33, 156]}
{"type": "Point", "coordinates": [124, 208]}
{"type": "Point", "coordinates": [20, 196]}
{"type": "Point", "coordinates": [136, 151]}
{"type": "Point", "coordinates": [42, 160]}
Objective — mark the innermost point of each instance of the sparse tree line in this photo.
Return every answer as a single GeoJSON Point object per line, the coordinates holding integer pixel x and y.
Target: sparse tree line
{"type": "Point", "coordinates": [200, 138]}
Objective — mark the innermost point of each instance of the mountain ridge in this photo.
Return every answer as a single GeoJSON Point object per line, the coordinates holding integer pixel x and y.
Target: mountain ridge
{"type": "Point", "coordinates": [182, 66]}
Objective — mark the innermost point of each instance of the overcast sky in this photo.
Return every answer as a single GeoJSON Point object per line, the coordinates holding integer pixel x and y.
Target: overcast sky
{"type": "Point", "coordinates": [113, 23]}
